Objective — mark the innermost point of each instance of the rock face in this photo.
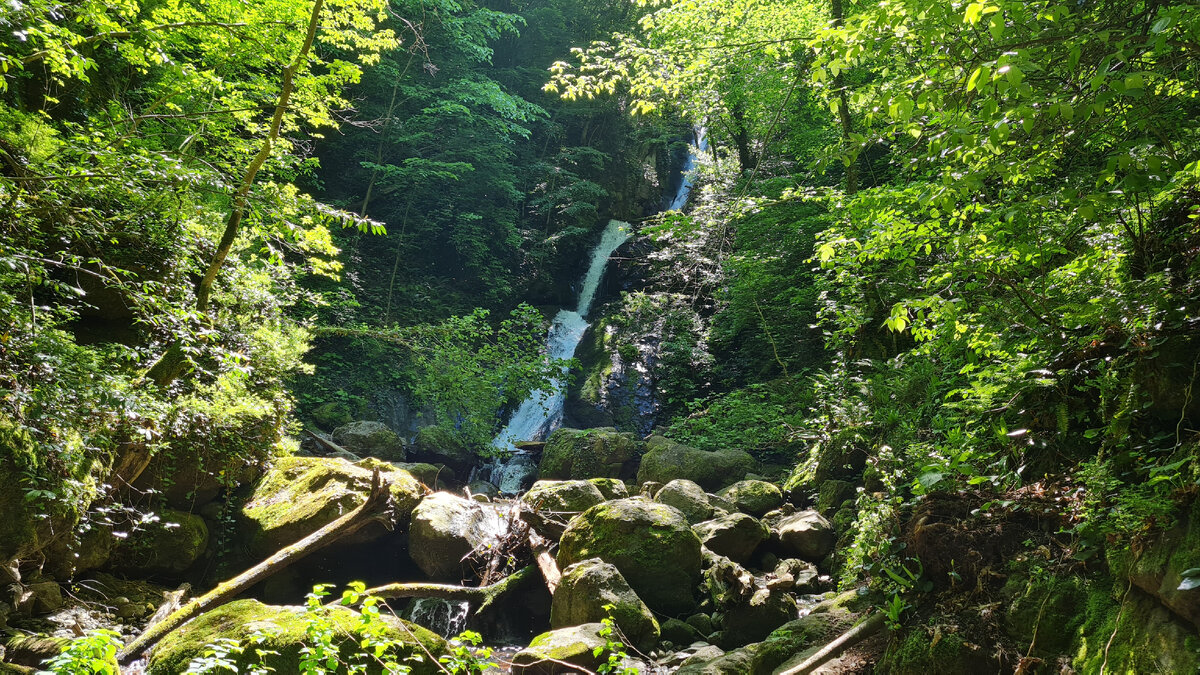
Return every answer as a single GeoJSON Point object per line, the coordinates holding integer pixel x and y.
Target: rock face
{"type": "Point", "coordinates": [735, 536]}
{"type": "Point", "coordinates": [370, 439]}
{"type": "Point", "coordinates": [666, 460]}
{"type": "Point", "coordinates": [445, 529]}
{"type": "Point", "coordinates": [285, 631]}
{"type": "Point", "coordinates": [587, 453]}
{"type": "Point", "coordinates": [549, 652]}
{"type": "Point", "coordinates": [755, 497]}
{"type": "Point", "coordinates": [651, 544]}
{"type": "Point", "coordinates": [688, 497]}
{"type": "Point", "coordinates": [552, 503]}
{"type": "Point", "coordinates": [805, 535]}
{"type": "Point", "coordinates": [587, 587]}
{"type": "Point", "coordinates": [1160, 567]}
{"type": "Point", "coordinates": [299, 495]}
{"type": "Point", "coordinates": [435, 445]}
{"type": "Point", "coordinates": [166, 548]}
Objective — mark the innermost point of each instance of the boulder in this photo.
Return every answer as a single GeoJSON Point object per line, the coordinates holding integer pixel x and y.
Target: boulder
{"type": "Point", "coordinates": [483, 488]}
{"type": "Point", "coordinates": [370, 439]}
{"type": "Point", "coordinates": [587, 587]}
{"type": "Point", "coordinates": [430, 475]}
{"type": "Point", "coordinates": [39, 597]}
{"type": "Point", "coordinates": [754, 620]}
{"type": "Point", "coordinates": [666, 460]}
{"type": "Point", "coordinates": [680, 633]}
{"type": "Point", "coordinates": [549, 653]}
{"type": "Point", "coordinates": [164, 548]}
{"type": "Point", "coordinates": [611, 488]}
{"type": "Point", "coordinates": [588, 453]}
{"type": "Point", "coordinates": [804, 574]}
{"type": "Point", "coordinates": [688, 497]}
{"type": "Point", "coordinates": [651, 544]}
{"type": "Point", "coordinates": [833, 494]}
{"type": "Point", "coordinates": [299, 495]}
{"type": "Point", "coordinates": [331, 415]}
{"type": "Point", "coordinates": [284, 633]}
{"type": "Point", "coordinates": [446, 529]}
{"type": "Point", "coordinates": [551, 503]}
{"type": "Point", "coordinates": [805, 535]}
{"type": "Point", "coordinates": [735, 536]}
{"type": "Point", "coordinates": [1159, 569]}
{"type": "Point", "coordinates": [435, 445]}
{"type": "Point", "coordinates": [755, 497]}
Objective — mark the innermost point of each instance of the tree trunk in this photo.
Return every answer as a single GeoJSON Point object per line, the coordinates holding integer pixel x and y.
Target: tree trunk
{"type": "Point", "coordinates": [375, 505]}
{"type": "Point", "coordinates": [839, 83]}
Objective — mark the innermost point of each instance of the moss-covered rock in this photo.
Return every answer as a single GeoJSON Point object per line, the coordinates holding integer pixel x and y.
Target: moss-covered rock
{"type": "Point", "coordinates": [1158, 566]}
{"type": "Point", "coordinates": [164, 548]}
{"type": "Point", "coordinates": [588, 453]}
{"type": "Point", "coordinates": [28, 525]}
{"type": "Point", "coordinates": [611, 488]}
{"type": "Point", "coordinates": [284, 630]}
{"type": "Point", "coordinates": [371, 439]}
{"type": "Point", "coordinates": [587, 587]}
{"type": "Point", "coordinates": [665, 460]}
{"type": "Point", "coordinates": [435, 445]}
{"type": "Point", "coordinates": [331, 415]}
{"type": "Point", "coordinates": [1045, 612]}
{"type": "Point", "coordinates": [735, 535]}
{"type": "Point", "coordinates": [755, 497]}
{"type": "Point", "coordinates": [651, 544]}
{"type": "Point", "coordinates": [446, 529]}
{"type": "Point", "coordinates": [551, 503]}
{"type": "Point", "coordinates": [833, 494]}
{"type": "Point", "coordinates": [299, 495]}
{"type": "Point", "coordinates": [805, 535]}
{"type": "Point", "coordinates": [688, 497]}
{"type": "Point", "coordinates": [550, 653]}
{"type": "Point", "coordinates": [1128, 631]}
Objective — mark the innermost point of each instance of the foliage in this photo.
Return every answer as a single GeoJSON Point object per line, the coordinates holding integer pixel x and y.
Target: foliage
{"type": "Point", "coordinates": [93, 654]}
{"type": "Point", "coordinates": [466, 657]}
{"type": "Point", "coordinates": [613, 646]}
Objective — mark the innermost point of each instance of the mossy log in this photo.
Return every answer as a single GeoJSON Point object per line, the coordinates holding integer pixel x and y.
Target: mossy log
{"type": "Point", "coordinates": [476, 595]}
{"type": "Point", "coordinates": [856, 634]}
{"type": "Point", "coordinates": [372, 509]}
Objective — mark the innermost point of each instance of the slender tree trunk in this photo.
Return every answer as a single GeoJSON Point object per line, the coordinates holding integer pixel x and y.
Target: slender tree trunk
{"type": "Point", "coordinates": [839, 83]}
{"type": "Point", "coordinates": [171, 363]}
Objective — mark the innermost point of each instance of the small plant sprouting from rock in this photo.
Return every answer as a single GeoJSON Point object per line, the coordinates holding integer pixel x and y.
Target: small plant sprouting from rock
{"type": "Point", "coordinates": [613, 646]}
{"type": "Point", "coordinates": [466, 657]}
{"type": "Point", "coordinates": [92, 654]}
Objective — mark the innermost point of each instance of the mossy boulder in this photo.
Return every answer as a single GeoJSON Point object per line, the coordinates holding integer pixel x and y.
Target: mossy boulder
{"type": "Point", "coordinates": [551, 652]}
{"type": "Point", "coordinates": [284, 630]}
{"type": "Point", "coordinates": [754, 620]}
{"type": "Point", "coordinates": [755, 497]}
{"type": "Point", "coordinates": [611, 488]}
{"type": "Point", "coordinates": [587, 587]}
{"type": "Point", "coordinates": [370, 439]}
{"type": "Point", "coordinates": [1132, 632]}
{"type": "Point", "coordinates": [446, 529]}
{"type": "Point", "coordinates": [806, 534]}
{"type": "Point", "coordinates": [588, 453]}
{"type": "Point", "coordinates": [665, 460]}
{"type": "Point", "coordinates": [165, 548]}
{"type": "Point", "coordinates": [551, 503]}
{"type": "Point", "coordinates": [833, 494]}
{"type": "Point", "coordinates": [29, 525]}
{"type": "Point", "coordinates": [736, 535]}
{"type": "Point", "coordinates": [331, 415]}
{"type": "Point", "coordinates": [299, 495]}
{"type": "Point", "coordinates": [435, 445]}
{"type": "Point", "coordinates": [651, 544]}
{"type": "Point", "coordinates": [1159, 565]}
{"type": "Point", "coordinates": [688, 497]}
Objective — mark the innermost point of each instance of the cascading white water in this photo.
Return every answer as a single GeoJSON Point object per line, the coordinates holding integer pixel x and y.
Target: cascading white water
{"type": "Point", "coordinates": [444, 617]}
{"type": "Point", "coordinates": [689, 164]}
{"type": "Point", "coordinates": [539, 414]}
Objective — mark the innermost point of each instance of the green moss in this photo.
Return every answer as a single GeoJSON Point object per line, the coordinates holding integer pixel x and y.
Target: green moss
{"type": "Point", "coordinates": [1127, 631]}
{"type": "Point", "coordinates": [588, 453]}
{"type": "Point", "coordinates": [167, 547]}
{"type": "Point", "coordinates": [1047, 612]}
{"type": "Point", "coordinates": [918, 653]}
{"type": "Point", "coordinates": [284, 629]}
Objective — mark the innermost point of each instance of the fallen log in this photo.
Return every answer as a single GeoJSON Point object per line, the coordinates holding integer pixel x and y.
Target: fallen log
{"type": "Point", "coordinates": [856, 634]}
{"type": "Point", "coordinates": [480, 596]}
{"type": "Point", "coordinates": [545, 561]}
{"type": "Point", "coordinates": [374, 507]}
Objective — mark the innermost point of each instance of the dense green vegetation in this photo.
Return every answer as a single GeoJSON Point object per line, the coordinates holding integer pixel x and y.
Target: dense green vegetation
{"type": "Point", "coordinates": [935, 251]}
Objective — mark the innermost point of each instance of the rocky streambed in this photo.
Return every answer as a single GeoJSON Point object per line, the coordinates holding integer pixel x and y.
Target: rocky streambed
{"type": "Point", "coordinates": [696, 562]}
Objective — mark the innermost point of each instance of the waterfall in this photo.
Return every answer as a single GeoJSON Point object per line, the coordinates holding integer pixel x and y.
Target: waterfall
{"type": "Point", "coordinates": [685, 182]}
{"type": "Point", "coordinates": [444, 617]}
{"type": "Point", "coordinates": [539, 414]}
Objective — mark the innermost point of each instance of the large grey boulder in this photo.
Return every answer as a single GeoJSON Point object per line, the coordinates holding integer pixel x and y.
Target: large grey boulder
{"type": "Point", "coordinates": [555, 651]}
{"type": "Point", "coordinates": [435, 445]}
{"type": "Point", "coordinates": [754, 620]}
{"type": "Point", "coordinates": [551, 503]}
{"type": "Point", "coordinates": [588, 586]}
{"type": "Point", "coordinates": [651, 544]}
{"type": "Point", "coordinates": [665, 460]}
{"type": "Point", "coordinates": [735, 535]}
{"type": "Point", "coordinates": [688, 497]}
{"type": "Point", "coordinates": [446, 529]}
{"type": "Point", "coordinates": [370, 439]}
{"type": "Point", "coordinates": [806, 535]}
